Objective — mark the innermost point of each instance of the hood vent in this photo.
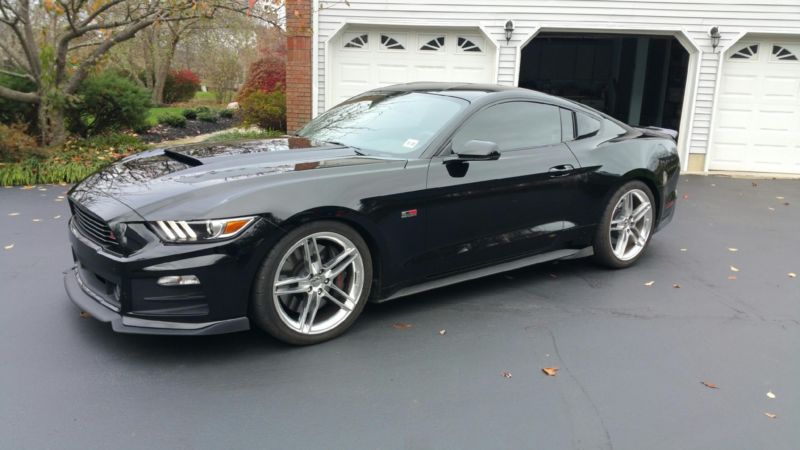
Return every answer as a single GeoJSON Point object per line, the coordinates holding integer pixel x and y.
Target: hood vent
{"type": "Point", "coordinates": [186, 159]}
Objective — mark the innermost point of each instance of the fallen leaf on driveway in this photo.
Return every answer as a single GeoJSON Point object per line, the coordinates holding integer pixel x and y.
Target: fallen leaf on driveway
{"type": "Point", "coordinates": [731, 277]}
{"type": "Point", "coordinates": [683, 249]}
{"type": "Point", "coordinates": [734, 269]}
{"type": "Point", "coordinates": [650, 283]}
{"type": "Point", "coordinates": [685, 196]}
{"type": "Point", "coordinates": [8, 247]}
{"type": "Point", "coordinates": [733, 249]}
{"type": "Point", "coordinates": [25, 188]}
{"type": "Point", "coordinates": [42, 189]}
{"type": "Point", "coordinates": [771, 208]}
{"type": "Point", "coordinates": [57, 217]}
{"type": "Point", "coordinates": [676, 285]}
{"type": "Point", "coordinates": [709, 385]}
{"type": "Point", "coordinates": [550, 371]}
{"type": "Point", "coordinates": [785, 203]}
{"type": "Point", "coordinates": [755, 184]}
{"type": "Point", "coordinates": [552, 275]}
{"type": "Point", "coordinates": [13, 214]}
{"type": "Point", "coordinates": [85, 315]}
{"type": "Point", "coordinates": [779, 198]}
{"type": "Point", "coordinates": [792, 275]}
{"type": "Point", "coordinates": [770, 394]}
{"type": "Point", "coordinates": [401, 326]}
{"type": "Point", "coordinates": [442, 332]}
{"type": "Point", "coordinates": [36, 220]}
{"type": "Point", "coordinates": [505, 374]}
{"type": "Point", "coordinates": [770, 415]}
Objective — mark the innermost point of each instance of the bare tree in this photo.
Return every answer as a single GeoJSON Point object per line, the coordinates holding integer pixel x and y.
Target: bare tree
{"type": "Point", "coordinates": [57, 42]}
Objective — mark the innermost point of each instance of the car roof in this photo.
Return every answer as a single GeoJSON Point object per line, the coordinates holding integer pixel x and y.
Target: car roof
{"type": "Point", "coordinates": [473, 91]}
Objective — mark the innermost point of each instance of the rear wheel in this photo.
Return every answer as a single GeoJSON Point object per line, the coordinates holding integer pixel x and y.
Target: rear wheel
{"type": "Point", "coordinates": [313, 284]}
{"type": "Point", "coordinates": [626, 226]}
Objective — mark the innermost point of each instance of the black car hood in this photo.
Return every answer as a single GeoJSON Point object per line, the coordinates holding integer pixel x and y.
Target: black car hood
{"type": "Point", "coordinates": [153, 180]}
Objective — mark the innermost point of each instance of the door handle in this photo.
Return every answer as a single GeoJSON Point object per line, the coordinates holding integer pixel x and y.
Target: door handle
{"type": "Point", "coordinates": [560, 171]}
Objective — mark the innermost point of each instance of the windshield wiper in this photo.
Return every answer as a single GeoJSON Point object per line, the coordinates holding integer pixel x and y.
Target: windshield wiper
{"type": "Point", "coordinates": [358, 151]}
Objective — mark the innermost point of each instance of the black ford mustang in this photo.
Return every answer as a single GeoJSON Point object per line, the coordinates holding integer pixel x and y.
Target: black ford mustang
{"type": "Point", "coordinates": [396, 191]}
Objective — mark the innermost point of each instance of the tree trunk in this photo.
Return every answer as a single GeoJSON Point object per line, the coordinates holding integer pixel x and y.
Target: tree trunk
{"type": "Point", "coordinates": [52, 126]}
{"type": "Point", "coordinates": [158, 86]}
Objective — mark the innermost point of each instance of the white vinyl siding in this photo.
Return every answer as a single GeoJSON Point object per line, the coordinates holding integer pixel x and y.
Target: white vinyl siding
{"type": "Point", "coordinates": [694, 18]}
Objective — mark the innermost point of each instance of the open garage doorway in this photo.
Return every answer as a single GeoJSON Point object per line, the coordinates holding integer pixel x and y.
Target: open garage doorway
{"type": "Point", "coordinates": [638, 79]}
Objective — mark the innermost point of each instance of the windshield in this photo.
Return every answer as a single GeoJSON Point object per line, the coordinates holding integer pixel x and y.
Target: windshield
{"type": "Point", "coordinates": [399, 124]}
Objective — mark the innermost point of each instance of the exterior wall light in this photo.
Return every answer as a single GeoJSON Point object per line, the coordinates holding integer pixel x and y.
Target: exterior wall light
{"type": "Point", "coordinates": [509, 29]}
{"type": "Point", "coordinates": [713, 33]}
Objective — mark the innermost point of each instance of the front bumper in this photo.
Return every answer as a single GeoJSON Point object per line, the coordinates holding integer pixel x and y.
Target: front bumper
{"type": "Point", "coordinates": [89, 302]}
{"type": "Point", "coordinates": [123, 289]}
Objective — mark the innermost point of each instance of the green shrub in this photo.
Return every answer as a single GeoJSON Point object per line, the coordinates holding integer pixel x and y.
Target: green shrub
{"type": "Point", "coordinates": [207, 117]}
{"type": "Point", "coordinates": [72, 162]}
{"type": "Point", "coordinates": [173, 120]}
{"type": "Point", "coordinates": [12, 111]}
{"type": "Point", "coordinates": [15, 144]}
{"type": "Point", "coordinates": [108, 102]}
{"type": "Point", "coordinates": [264, 109]}
{"type": "Point", "coordinates": [189, 114]}
{"type": "Point", "coordinates": [202, 109]}
{"type": "Point", "coordinates": [226, 113]}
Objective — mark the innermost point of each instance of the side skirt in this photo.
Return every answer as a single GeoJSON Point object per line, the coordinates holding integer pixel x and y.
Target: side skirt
{"type": "Point", "coordinates": [486, 271]}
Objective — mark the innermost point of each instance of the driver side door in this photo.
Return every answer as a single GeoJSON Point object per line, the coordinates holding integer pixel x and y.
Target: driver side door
{"type": "Point", "coordinates": [483, 212]}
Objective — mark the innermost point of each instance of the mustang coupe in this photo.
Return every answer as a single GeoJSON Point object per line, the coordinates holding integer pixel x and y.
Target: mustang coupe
{"type": "Point", "coordinates": [396, 191]}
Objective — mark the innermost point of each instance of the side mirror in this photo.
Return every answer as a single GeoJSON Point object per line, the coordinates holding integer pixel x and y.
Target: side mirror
{"type": "Point", "coordinates": [475, 150]}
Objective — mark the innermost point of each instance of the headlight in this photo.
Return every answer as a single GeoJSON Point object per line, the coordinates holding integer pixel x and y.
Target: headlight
{"type": "Point", "coordinates": [200, 230]}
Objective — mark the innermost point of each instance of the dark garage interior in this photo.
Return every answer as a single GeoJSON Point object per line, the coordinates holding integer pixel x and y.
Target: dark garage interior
{"type": "Point", "coordinates": [638, 79]}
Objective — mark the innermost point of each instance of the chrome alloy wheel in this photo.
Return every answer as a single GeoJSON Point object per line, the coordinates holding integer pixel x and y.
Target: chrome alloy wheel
{"type": "Point", "coordinates": [318, 283]}
{"type": "Point", "coordinates": [631, 224]}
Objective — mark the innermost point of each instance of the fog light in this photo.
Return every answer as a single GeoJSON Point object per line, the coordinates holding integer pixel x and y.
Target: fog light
{"type": "Point", "coordinates": [178, 280]}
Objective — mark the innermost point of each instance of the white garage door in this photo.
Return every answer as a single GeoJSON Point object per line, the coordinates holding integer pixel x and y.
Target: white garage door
{"type": "Point", "coordinates": [367, 58]}
{"type": "Point", "coordinates": [757, 124]}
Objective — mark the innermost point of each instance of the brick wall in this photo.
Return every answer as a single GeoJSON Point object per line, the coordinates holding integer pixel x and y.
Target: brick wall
{"type": "Point", "coordinates": [298, 63]}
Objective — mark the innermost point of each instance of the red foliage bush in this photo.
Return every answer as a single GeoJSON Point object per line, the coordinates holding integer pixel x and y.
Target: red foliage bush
{"type": "Point", "coordinates": [181, 85]}
{"type": "Point", "coordinates": [268, 73]}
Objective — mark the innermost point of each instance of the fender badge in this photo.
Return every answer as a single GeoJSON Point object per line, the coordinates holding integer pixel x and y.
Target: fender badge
{"type": "Point", "coordinates": [408, 214]}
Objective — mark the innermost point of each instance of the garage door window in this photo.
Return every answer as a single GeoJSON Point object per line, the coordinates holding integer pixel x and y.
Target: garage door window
{"type": "Point", "coordinates": [359, 41]}
{"type": "Point", "coordinates": [433, 44]}
{"type": "Point", "coordinates": [783, 54]}
{"type": "Point", "coordinates": [512, 126]}
{"type": "Point", "coordinates": [390, 43]}
{"type": "Point", "coordinates": [468, 45]}
{"type": "Point", "coordinates": [747, 52]}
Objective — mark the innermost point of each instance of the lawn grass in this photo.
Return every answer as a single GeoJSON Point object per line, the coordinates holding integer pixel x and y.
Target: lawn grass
{"type": "Point", "coordinates": [205, 96]}
{"type": "Point", "coordinates": [238, 135]}
{"type": "Point", "coordinates": [155, 113]}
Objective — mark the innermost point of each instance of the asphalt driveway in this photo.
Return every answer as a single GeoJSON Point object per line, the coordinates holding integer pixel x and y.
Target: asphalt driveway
{"type": "Point", "coordinates": [631, 357]}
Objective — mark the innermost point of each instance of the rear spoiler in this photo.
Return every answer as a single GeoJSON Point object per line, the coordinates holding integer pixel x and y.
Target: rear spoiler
{"type": "Point", "coordinates": [659, 132]}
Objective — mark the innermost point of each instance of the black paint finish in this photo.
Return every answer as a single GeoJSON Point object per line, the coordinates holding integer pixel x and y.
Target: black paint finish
{"type": "Point", "coordinates": [470, 214]}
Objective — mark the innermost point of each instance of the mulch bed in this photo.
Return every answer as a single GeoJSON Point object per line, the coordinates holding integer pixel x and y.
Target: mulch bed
{"type": "Point", "coordinates": [161, 133]}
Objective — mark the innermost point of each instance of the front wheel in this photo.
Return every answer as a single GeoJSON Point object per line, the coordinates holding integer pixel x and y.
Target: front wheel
{"type": "Point", "coordinates": [627, 224]}
{"type": "Point", "coordinates": [313, 284]}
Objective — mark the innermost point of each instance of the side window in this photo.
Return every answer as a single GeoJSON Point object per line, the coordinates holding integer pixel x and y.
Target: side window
{"type": "Point", "coordinates": [512, 126]}
{"type": "Point", "coordinates": [567, 125]}
{"type": "Point", "coordinates": [587, 126]}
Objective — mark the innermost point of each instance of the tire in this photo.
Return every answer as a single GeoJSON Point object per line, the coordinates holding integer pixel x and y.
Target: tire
{"type": "Point", "coordinates": [608, 250]}
{"type": "Point", "coordinates": [312, 303]}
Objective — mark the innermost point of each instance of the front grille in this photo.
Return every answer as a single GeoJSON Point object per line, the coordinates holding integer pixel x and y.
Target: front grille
{"type": "Point", "coordinates": [93, 227]}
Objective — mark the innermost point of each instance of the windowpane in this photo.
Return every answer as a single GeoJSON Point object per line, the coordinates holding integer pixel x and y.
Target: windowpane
{"type": "Point", "coordinates": [513, 125]}
{"type": "Point", "coordinates": [567, 125]}
{"type": "Point", "coordinates": [586, 125]}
